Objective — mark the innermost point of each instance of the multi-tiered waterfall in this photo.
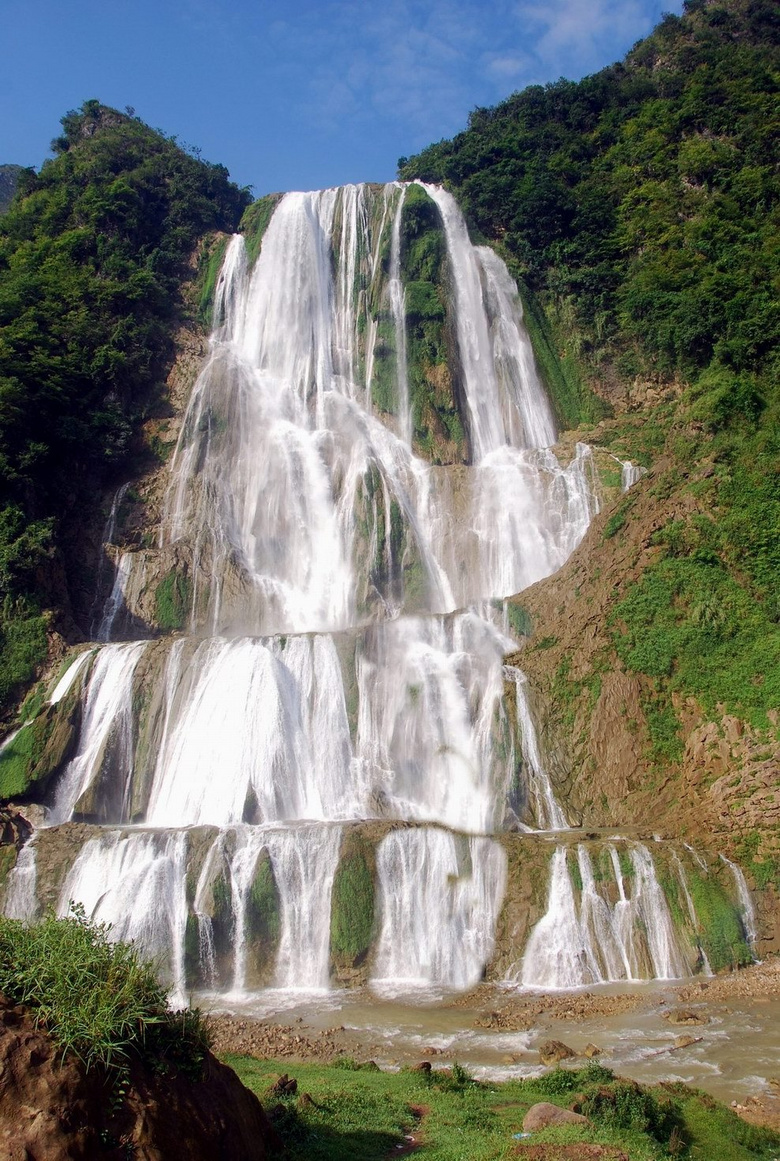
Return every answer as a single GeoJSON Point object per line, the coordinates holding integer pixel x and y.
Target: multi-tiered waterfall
{"type": "Point", "coordinates": [317, 770]}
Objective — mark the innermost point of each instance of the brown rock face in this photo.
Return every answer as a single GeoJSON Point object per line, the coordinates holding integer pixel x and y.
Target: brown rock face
{"type": "Point", "coordinates": [53, 1110]}
{"type": "Point", "coordinates": [544, 1114]}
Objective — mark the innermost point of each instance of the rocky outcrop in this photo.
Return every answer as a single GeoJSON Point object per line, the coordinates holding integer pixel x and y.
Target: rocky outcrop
{"type": "Point", "coordinates": [52, 1109]}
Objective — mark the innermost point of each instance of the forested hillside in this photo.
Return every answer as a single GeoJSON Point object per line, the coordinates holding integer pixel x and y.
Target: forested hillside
{"type": "Point", "coordinates": [94, 250]}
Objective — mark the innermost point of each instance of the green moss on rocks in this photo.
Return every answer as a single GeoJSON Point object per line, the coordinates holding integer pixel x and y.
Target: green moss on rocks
{"type": "Point", "coordinates": [263, 920]}
{"type": "Point", "coordinates": [254, 222]}
{"type": "Point", "coordinates": [352, 903]}
{"type": "Point", "coordinates": [438, 429]}
{"type": "Point", "coordinates": [7, 863]}
{"type": "Point", "coordinates": [721, 933]}
{"type": "Point", "coordinates": [172, 601]}
{"type": "Point", "coordinates": [209, 266]}
{"type": "Point", "coordinates": [40, 748]}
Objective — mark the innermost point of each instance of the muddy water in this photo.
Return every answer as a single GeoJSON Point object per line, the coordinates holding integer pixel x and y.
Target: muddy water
{"type": "Point", "coordinates": [496, 1032]}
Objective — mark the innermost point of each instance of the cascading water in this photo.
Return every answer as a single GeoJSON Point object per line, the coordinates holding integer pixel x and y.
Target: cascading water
{"type": "Point", "coordinates": [439, 901]}
{"type": "Point", "coordinates": [362, 455]}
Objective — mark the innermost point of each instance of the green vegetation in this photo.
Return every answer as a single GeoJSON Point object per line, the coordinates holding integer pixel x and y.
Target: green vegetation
{"type": "Point", "coordinates": [39, 748]}
{"type": "Point", "coordinates": [435, 415]}
{"type": "Point", "coordinates": [363, 1113]}
{"type": "Point", "coordinates": [98, 1000]}
{"type": "Point", "coordinates": [254, 222]}
{"type": "Point", "coordinates": [94, 250]}
{"type": "Point", "coordinates": [618, 518]}
{"type": "Point", "coordinates": [352, 902]}
{"type": "Point", "coordinates": [263, 911]}
{"type": "Point", "coordinates": [721, 933]}
{"type": "Point", "coordinates": [172, 601]}
{"type": "Point", "coordinates": [519, 618]}
{"type": "Point", "coordinates": [640, 203]}
{"type": "Point", "coordinates": [209, 266]}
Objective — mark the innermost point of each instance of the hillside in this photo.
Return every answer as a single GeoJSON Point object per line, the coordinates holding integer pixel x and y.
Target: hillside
{"type": "Point", "coordinates": [95, 258]}
{"type": "Point", "coordinates": [639, 209]}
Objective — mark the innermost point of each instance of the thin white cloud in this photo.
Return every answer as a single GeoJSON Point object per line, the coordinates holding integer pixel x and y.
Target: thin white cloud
{"type": "Point", "coordinates": [581, 31]}
{"type": "Point", "coordinates": [507, 67]}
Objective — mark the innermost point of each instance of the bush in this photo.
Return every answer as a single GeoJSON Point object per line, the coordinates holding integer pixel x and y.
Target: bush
{"type": "Point", "coordinates": [99, 1000]}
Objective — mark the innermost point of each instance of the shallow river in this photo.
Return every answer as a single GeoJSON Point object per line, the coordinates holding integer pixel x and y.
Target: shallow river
{"type": "Point", "coordinates": [737, 1049]}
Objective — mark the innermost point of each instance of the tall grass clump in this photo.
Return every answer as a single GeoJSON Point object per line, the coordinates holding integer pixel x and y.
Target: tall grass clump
{"type": "Point", "coordinates": [98, 1000]}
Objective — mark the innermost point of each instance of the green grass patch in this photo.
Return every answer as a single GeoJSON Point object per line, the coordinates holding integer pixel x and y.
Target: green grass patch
{"type": "Point", "coordinates": [690, 622]}
{"type": "Point", "coordinates": [364, 1114]}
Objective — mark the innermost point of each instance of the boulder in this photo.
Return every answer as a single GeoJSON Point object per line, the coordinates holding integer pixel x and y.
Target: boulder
{"type": "Point", "coordinates": [553, 1051]}
{"type": "Point", "coordinates": [544, 1114]}
{"type": "Point", "coordinates": [685, 1016]}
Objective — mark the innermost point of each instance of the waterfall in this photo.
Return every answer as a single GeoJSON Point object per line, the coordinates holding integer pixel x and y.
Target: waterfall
{"type": "Point", "coordinates": [547, 812]}
{"type": "Point", "coordinates": [305, 863]}
{"type": "Point", "coordinates": [136, 883]}
{"type": "Point", "coordinates": [707, 969]}
{"type": "Point", "coordinates": [746, 905]}
{"type": "Point", "coordinates": [365, 464]}
{"type": "Point", "coordinates": [20, 898]}
{"type": "Point", "coordinates": [70, 676]}
{"type": "Point", "coordinates": [591, 940]}
{"type": "Point", "coordinates": [106, 733]}
{"type": "Point", "coordinates": [100, 628]}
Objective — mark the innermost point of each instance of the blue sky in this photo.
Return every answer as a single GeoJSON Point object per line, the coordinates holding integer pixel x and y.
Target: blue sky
{"type": "Point", "coordinates": [296, 95]}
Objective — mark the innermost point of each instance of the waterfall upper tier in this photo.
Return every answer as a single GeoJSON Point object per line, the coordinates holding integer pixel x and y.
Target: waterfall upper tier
{"type": "Point", "coordinates": [369, 435]}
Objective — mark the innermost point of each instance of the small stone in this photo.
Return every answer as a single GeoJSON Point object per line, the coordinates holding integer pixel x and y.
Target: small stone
{"type": "Point", "coordinates": [544, 1114]}
{"type": "Point", "coordinates": [686, 1041]}
{"type": "Point", "coordinates": [590, 1050]}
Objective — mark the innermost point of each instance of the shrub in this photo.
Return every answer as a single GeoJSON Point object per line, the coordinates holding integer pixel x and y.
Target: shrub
{"type": "Point", "coordinates": [99, 1000]}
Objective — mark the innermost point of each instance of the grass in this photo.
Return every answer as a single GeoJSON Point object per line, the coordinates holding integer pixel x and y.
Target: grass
{"type": "Point", "coordinates": [99, 1000]}
{"type": "Point", "coordinates": [172, 599]}
{"type": "Point", "coordinates": [355, 1113]}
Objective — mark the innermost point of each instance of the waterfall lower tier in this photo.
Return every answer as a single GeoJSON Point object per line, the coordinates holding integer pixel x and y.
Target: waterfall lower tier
{"type": "Point", "coordinates": [407, 719]}
{"type": "Point", "coordinates": [398, 907]}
